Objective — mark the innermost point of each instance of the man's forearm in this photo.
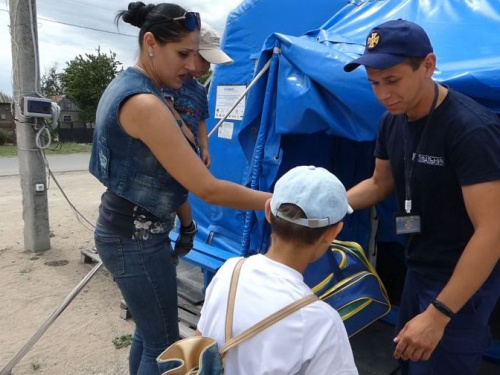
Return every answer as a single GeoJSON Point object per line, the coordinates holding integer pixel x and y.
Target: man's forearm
{"type": "Point", "coordinates": [366, 194]}
{"type": "Point", "coordinates": [420, 336]}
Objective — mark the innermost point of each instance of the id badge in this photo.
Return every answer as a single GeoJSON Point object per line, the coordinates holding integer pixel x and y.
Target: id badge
{"type": "Point", "coordinates": [407, 224]}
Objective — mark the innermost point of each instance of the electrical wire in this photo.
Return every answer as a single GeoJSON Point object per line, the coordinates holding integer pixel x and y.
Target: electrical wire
{"type": "Point", "coordinates": [88, 28]}
{"type": "Point", "coordinates": [43, 140]}
{"type": "Point", "coordinates": [80, 26]}
{"type": "Point", "coordinates": [79, 216]}
{"type": "Point", "coordinates": [35, 51]}
{"type": "Point", "coordinates": [218, 29]}
{"type": "Point", "coordinates": [16, 95]}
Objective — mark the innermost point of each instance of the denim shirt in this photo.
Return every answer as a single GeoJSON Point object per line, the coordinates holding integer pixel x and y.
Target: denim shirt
{"type": "Point", "coordinates": [124, 164]}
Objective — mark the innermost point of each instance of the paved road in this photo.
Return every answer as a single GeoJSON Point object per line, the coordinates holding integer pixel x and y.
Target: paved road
{"type": "Point", "coordinates": [58, 163]}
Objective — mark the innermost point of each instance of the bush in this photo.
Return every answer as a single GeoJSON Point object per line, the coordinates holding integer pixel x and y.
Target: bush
{"type": "Point", "coordinates": [12, 136]}
{"type": "Point", "coordinates": [5, 136]}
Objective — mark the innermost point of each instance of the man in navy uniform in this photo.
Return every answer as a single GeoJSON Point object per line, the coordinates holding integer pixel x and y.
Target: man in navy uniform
{"type": "Point", "coordinates": [440, 152]}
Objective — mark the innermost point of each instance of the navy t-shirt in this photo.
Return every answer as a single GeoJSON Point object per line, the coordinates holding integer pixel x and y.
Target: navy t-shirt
{"type": "Point", "coordinates": [461, 147]}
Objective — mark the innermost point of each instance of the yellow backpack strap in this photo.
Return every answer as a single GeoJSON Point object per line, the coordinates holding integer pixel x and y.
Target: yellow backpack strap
{"type": "Point", "coordinates": [267, 322]}
{"type": "Point", "coordinates": [231, 297]}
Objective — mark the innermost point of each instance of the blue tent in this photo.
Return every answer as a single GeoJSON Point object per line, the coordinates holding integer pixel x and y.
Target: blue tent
{"type": "Point", "coordinates": [308, 102]}
{"type": "Point", "coordinates": [307, 110]}
{"type": "Point", "coordinates": [247, 28]}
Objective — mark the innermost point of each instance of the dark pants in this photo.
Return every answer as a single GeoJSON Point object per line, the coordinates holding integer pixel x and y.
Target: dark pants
{"type": "Point", "coordinates": [467, 335]}
{"type": "Point", "coordinates": [144, 272]}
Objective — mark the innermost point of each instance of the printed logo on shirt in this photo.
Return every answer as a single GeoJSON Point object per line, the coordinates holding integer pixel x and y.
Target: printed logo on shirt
{"type": "Point", "coordinates": [437, 161]}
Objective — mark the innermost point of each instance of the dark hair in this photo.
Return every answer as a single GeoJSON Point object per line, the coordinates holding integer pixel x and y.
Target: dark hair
{"type": "Point", "coordinates": [414, 62]}
{"type": "Point", "coordinates": [292, 232]}
{"type": "Point", "coordinates": [149, 18]}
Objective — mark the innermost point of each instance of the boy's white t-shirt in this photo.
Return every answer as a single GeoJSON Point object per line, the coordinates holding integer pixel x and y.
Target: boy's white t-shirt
{"type": "Point", "coordinates": [312, 340]}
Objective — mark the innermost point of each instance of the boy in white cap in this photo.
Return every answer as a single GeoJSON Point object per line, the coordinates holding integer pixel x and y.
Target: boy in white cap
{"type": "Point", "coordinates": [190, 107]}
{"type": "Point", "coordinates": [305, 214]}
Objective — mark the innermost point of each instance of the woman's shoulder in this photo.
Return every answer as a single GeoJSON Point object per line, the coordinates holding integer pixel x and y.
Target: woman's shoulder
{"type": "Point", "coordinates": [131, 82]}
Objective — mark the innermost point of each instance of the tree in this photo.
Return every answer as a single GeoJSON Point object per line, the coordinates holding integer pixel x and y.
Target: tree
{"type": "Point", "coordinates": [86, 77]}
{"type": "Point", "coordinates": [51, 83]}
{"type": "Point", "coordinates": [204, 77]}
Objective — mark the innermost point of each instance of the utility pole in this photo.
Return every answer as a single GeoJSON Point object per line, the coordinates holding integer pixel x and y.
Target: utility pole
{"type": "Point", "coordinates": [24, 41]}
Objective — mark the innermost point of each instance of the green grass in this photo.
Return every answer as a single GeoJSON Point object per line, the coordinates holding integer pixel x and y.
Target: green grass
{"type": "Point", "coordinates": [62, 148]}
{"type": "Point", "coordinates": [8, 150]}
{"type": "Point", "coordinates": [122, 341]}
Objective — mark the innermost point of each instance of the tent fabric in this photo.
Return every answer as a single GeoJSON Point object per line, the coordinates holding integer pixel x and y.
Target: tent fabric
{"type": "Point", "coordinates": [307, 110]}
{"type": "Point", "coordinates": [247, 28]}
{"type": "Point", "coordinates": [312, 94]}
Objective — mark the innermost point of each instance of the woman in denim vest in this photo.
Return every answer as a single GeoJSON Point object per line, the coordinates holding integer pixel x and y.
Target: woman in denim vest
{"type": "Point", "coordinates": [140, 154]}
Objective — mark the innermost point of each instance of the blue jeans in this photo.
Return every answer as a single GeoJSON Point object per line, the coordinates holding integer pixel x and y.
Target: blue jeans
{"type": "Point", "coordinates": [467, 335]}
{"type": "Point", "coordinates": [145, 274]}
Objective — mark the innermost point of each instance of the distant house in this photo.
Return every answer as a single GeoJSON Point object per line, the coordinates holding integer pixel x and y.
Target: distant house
{"type": "Point", "coordinates": [71, 126]}
{"type": "Point", "coordinates": [7, 122]}
{"type": "Point", "coordinates": [70, 113]}
{"type": "Point", "coordinates": [6, 116]}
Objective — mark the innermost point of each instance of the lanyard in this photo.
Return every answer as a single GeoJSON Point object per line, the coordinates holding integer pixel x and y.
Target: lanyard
{"type": "Point", "coordinates": [409, 164]}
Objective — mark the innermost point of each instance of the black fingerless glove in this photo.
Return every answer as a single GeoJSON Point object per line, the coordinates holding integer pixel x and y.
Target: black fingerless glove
{"type": "Point", "coordinates": [184, 242]}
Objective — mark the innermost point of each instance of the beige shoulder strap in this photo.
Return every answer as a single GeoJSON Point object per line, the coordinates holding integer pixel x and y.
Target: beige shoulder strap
{"type": "Point", "coordinates": [231, 297]}
{"type": "Point", "coordinates": [263, 324]}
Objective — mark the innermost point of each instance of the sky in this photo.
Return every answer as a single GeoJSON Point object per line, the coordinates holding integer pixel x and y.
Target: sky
{"type": "Point", "coordinates": [59, 43]}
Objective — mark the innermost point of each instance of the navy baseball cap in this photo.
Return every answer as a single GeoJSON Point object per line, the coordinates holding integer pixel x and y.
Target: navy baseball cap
{"type": "Point", "coordinates": [391, 43]}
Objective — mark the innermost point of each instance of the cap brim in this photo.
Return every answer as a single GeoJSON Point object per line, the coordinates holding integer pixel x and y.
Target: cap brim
{"type": "Point", "coordinates": [215, 56]}
{"type": "Point", "coordinates": [376, 61]}
{"type": "Point", "coordinates": [349, 209]}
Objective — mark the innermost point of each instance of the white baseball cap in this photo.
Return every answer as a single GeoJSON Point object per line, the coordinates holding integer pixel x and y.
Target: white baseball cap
{"type": "Point", "coordinates": [316, 191]}
{"type": "Point", "coordinates": [210, 47]}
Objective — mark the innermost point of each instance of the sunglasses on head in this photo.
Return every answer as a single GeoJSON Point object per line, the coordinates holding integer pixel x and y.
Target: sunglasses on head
{"type": "Point", "coordinates": [192, 20]}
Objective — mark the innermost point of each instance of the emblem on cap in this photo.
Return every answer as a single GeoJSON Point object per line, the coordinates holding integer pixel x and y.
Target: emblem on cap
{"type": "Point", "coordinates": [372, 40]}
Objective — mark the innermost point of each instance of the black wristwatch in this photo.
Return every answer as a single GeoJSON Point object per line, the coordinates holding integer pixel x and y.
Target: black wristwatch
{"type": "Point", "coordinates": [442, 308]}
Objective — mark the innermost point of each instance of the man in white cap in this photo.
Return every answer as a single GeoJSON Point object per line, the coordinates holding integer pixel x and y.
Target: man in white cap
{"type": "Point", "coordinates": [305, 214]}
{"type": "Point", "coordinates": [190, 106]}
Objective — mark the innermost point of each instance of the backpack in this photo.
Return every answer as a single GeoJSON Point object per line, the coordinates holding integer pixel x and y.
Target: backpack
{"type": "Point", "coordinates": [351, 285]}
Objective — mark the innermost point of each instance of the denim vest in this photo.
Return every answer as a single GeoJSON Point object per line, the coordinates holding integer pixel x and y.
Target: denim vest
{"type": "Point", "coordinates": [125, 164]}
